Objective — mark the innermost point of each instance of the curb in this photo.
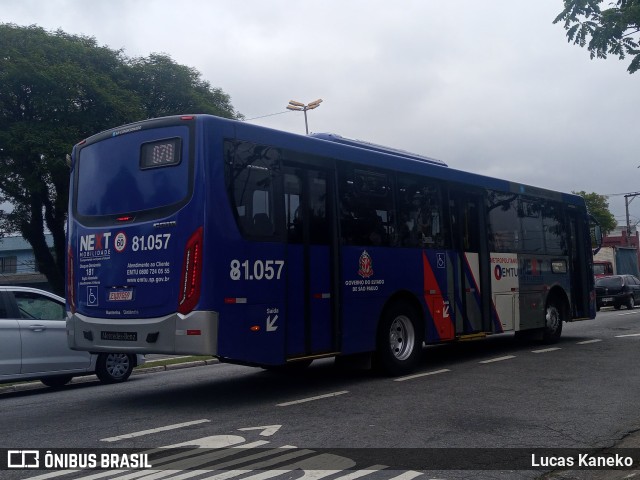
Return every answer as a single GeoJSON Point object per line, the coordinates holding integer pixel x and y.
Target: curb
{"type": "Point", "coordinates": [37, 385]}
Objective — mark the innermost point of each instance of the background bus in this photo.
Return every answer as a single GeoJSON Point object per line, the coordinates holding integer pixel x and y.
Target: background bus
{"type": "Point", "coordinates": [201, 235]}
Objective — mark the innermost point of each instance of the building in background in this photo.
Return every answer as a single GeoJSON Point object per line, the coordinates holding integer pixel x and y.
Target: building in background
{"type": "Point", "coordinates": [18, 263]}
{"type": "Point", "coordinates": [619, 253]}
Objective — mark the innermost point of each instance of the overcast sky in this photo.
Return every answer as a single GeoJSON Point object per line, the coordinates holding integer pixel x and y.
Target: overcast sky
{"type": "Point", "coordinates": [488, 86]}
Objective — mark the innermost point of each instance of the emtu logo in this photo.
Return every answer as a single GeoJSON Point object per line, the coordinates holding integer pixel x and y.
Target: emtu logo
{"type": "Point", "coordinates": [501, 272]}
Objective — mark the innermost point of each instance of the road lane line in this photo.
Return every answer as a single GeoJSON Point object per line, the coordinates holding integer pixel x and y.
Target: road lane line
{"type": "Point", "coordinates": [629, 335]}
{"type": "Point", "coordinates": [407, 475]}
{"type": "Point", "coordinates": [418, 375]}
{"type": "Point", "coordinates": [499, 359]}
{"type": "Point", "coordinates": [595, 340]}
{"type": "Point", "coordinates": [311, 399]}
{"type": "Point", "coordinates": [362, 473]}
{"type": "Point", "coordinates": [545, 350]}
{"type": "Point", "coordinates": [154, 430]}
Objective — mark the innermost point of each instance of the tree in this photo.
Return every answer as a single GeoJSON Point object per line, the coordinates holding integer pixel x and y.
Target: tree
{"type": "Point", "coordinates": [56, 89]}
{"type": "Point", "coordinates": [613, 30]}
{"type": "Point", "coordinates": [166, 88]}
{"type": "Point", "coordinates": [598, 206]}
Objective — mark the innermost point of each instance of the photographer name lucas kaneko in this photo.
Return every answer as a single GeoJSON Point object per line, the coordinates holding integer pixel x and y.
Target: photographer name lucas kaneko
{"type": "Point", "coordinates": [583, 460]}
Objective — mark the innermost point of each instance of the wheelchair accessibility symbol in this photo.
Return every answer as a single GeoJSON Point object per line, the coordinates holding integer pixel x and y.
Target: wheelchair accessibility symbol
{"type": "Point", "coordinates": [441, 261]}
{"type": "Point", "coordinates": [92, 296]}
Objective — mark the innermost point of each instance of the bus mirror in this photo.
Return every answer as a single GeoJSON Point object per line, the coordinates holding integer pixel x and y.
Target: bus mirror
{"type": "Point", "coordinates": [596, 236]}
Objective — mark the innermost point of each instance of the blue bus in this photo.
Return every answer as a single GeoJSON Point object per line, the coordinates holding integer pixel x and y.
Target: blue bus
{"type": "Point", "coordinates": [201, 235]}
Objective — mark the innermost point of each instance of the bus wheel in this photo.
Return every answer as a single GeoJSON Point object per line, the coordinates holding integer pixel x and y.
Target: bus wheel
{"type": "Point", "coordinates": [399, 343]}
{"type": "Point", "coordinates": [114, 367]}
{"type": "Point", "coordinates": [553, 323]}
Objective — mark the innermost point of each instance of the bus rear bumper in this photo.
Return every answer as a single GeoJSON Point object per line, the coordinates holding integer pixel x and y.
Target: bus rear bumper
{"type": "Point", "coordinates": [195, 334]}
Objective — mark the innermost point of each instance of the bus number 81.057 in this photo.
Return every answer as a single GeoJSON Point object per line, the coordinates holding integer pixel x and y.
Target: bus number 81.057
{"type": "Point", "coordinates": [258, 270]}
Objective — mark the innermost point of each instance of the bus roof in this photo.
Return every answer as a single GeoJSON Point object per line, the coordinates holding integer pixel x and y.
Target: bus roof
{"type": "Point", "coordinates": [332, 137]}
{"type": "Point", "coordinates": [359, 152]}
{"type": "Point", "coordinates": [385, 157]}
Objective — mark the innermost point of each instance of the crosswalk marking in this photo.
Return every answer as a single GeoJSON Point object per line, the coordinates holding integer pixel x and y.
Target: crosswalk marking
{"type": "Point", "coordinates": [224, 457]}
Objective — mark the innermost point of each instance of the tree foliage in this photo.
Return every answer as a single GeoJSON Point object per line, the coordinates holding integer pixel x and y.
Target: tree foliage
{"type": "Point", "coordinates": [56, 89]}
{"type": "Point", "coordinates": [598, 206]}
{"type": "Point", "coordinates": [613, 30]}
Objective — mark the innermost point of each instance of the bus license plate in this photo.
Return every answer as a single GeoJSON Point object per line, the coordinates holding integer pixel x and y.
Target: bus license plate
{"type": "Point", "coordinates": [119, 336]}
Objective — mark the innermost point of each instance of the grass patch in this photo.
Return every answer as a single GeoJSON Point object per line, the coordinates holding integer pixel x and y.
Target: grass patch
{"type": "Point", "coordinates": [173, 361]}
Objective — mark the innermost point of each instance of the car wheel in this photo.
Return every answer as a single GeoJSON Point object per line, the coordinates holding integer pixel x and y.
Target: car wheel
{"type": "Point", "coordinates": [553, 322]}
{"type": "Point", "coordinates": [399, 343]}
{"type": "Point", "coordinates": [631, 302]}
{"type": "Point", "coordinates": [114, 367]}
{"type": "Point", "coordinates": [56, 382]}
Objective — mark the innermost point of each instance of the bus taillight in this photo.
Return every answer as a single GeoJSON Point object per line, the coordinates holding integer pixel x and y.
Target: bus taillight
{"type": "Point", "coordinates": [191, 273]}
{"type": "Point", "coordinates": [71, 290]}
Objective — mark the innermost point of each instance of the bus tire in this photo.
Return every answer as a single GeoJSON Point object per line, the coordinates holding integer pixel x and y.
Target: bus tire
{"type": "Point", "coordinates": [399, 341]}
{"type": "Point", "coordinates": [554, 318]}
{"type": "Point", "coordinates": [114, 367]}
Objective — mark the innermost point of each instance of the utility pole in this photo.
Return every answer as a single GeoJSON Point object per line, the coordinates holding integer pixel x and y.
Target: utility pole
{"type": "Point", "coordinates": [626, 206]}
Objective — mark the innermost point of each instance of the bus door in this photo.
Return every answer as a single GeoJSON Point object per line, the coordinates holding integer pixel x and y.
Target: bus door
{"type": "Point", "coordinates": [311, 327]}
{"type": "Point", "coordinates": [471, 281]}
{"type": "Point", "coordinates": [579, 260]}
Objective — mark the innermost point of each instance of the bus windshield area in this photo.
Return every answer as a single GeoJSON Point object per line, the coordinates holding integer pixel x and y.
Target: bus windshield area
{"type": "Point", "coordinates": [137, 172]}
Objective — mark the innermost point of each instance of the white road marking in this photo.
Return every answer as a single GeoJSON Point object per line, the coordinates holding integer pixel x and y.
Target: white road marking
{"type": "Point", "coordinates": [259, 466]}
{"type": "Point", "coordinates": [362, 473]}
{"type": "Point", "coordinates": [595, 340]}
{"type": "Point", "coordinates": [629, 335]}
{"type": "Point", "coordinates": [268, 429]}
{"type": "Point", "coordinates": [499, 359]}
{"type": "Point", "coordinates": [189, 464]}
{"type": "Point", "coordinates": [545, 350]}
{"type": "Point", "coordinates": [311, 399]}
{"type": "Point", "coordinates": [407, 475]}
{"type": "Point", "coordinates": [418, 375]}
{"type": "Point", "coordinates": [154, 430]}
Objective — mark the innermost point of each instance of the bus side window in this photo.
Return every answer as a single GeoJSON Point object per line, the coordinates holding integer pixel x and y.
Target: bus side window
{"type": "Point", "coordinates": [529, 212]}
{"type": "Point", "coordinates": [420, 213]}
{"type": "Point", "coordinates": [366, 207]}
{"type": "Point", "coordinates": [504, 225]}
{"type": "Point", "coordinates": [249, 176]}
{"type": "Point", "coordinates": [292, 208]}
{"type": "Point", "coordinates": [555, 230]}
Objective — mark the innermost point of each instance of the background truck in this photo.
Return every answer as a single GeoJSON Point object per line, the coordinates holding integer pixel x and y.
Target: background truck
{"type": "Point", "coordinates": [616, 261]}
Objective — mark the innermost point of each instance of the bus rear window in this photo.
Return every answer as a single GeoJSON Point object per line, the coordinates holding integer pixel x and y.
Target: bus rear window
{"type": "Point", "coordinates": [133, 172]}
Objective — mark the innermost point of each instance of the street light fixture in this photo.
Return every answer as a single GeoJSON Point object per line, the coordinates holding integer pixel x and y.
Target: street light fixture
{"type": "Point", "coordinates": [301, 107]}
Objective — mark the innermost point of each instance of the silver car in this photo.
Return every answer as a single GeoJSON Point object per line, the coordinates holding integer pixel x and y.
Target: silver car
{"type": "Point", "coordinates": [33, 343]}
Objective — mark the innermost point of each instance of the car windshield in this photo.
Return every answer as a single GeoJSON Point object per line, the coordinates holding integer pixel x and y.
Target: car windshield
{"type": "Point", "coordinates": [598, 269]}
{"type": "Point", "coordinates": [609, 282]}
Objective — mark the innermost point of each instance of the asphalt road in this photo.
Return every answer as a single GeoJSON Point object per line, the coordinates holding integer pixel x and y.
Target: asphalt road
{"type": "Point", "coordinates": [479, 403]}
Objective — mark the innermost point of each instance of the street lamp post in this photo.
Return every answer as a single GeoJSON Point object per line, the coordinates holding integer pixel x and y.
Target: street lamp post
{"type": "Point", "coordinates": [301, 107]}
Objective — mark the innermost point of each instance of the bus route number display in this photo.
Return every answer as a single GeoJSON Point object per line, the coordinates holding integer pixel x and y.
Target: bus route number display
{"type": "Point", "coordinates": [162, 153]}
